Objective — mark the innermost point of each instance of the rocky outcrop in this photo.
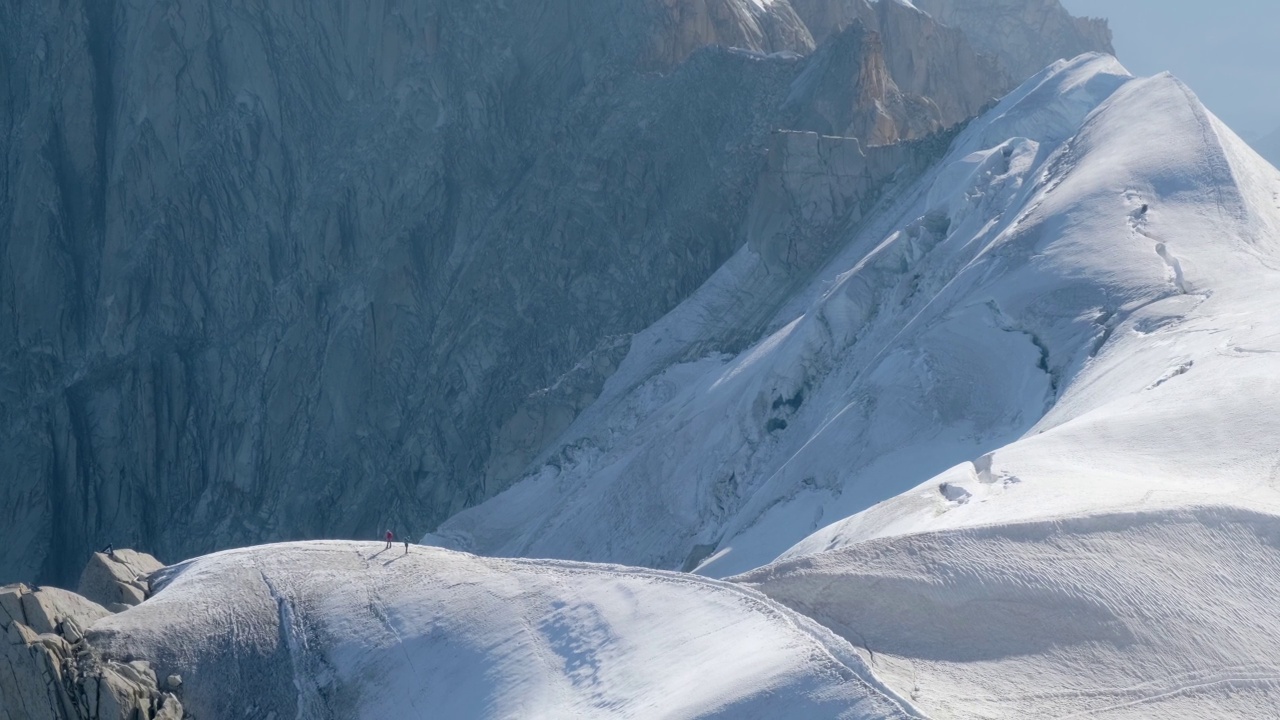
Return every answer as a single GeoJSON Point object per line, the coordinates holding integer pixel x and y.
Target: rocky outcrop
{"type": "Point", "coordinates": [118, 580]}
{"type": "Point", "coordinates": [48, 669]}
{"type": "Point", "coordinates": [961, 55]}
{"type": "Point", "coordinates": [814, 186]}
{"type": "Point", "coordinates": [47, 609]}
{"type": "Point", "coordinates": [304, 270]}
{"type": "Point", "coordinates": [825, 18]}
{"type": "Point", "coordinates": [31, 674]}
{"type": "Point", "coordinates": [688, 25]}
{"type": "Point", "coordinates": [1023, 35]}
{"type": "Point", "coordinates": [940, 64]}
{"type": "Point", "coordinates": [846, 90]}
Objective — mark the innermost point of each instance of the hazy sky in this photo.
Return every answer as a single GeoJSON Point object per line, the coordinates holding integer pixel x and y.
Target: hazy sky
{"type": "Point", "coordinates": [1228, 51]}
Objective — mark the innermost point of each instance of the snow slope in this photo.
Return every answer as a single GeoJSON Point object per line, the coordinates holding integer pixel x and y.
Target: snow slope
{"type": "Point", "coordinates": [372, 633]}
{"type": "Point", "coordinates": [1119, 558]}
{"type": "Point", "coordinates": [1078, 298]}
{"type": "Point", "coordinates": [1158, 614]}
{"type": "Point", "coordinates": [1148, 272]}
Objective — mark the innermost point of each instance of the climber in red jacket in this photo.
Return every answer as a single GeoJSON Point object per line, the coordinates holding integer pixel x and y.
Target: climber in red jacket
{"type": "Point", "coordinates": [390, 537]}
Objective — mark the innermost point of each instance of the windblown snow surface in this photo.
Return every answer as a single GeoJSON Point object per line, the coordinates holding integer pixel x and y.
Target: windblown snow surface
{"type": "Point", "coordinates": [1012, 454]}
{"type": "Point", "coordinates": [343, 630]}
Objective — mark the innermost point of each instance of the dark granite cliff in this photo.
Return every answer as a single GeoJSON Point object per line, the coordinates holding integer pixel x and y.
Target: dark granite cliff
{"type": "Point", "coordinates": [300, 269]}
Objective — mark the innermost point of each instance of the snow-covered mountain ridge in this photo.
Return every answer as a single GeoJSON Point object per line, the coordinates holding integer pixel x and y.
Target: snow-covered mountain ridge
{"type": "Point", "coordinates": [1070, 310]}
{"type": "Point", "coordinates": [343, 629]}
{"type": "Point", "coordinates": [1009, 454]}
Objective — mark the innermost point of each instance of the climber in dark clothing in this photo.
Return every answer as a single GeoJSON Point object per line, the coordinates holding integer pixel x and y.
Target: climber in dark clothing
{"type": "Point", "coordinates": [390, 537]}
{"type": "Point", "coordinates": [406, 546]}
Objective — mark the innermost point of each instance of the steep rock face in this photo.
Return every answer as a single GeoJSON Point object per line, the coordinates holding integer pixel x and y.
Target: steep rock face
{"type": "Point", "coordinates": [299, 270]}
{"type": "Point", "coordinates": [286, 271]}
{"type": "Point", "coordinates": [1024, 35]}
{"type": "Point", "coordinates": [824, 18]}
{"type": "Point", "coordinates": [962, 56]}
{"type": "Point", "coordinates": [814, 186]}
{"type": "Point", "coordinates": [847, 91]}
{"type": "Point", "coordinates": [692, 24]}
{"type": "Point", "coordinates": [940, 63]}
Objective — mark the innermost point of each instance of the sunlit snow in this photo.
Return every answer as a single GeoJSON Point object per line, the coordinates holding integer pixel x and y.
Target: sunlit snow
{"type": "Point", "coordinates": [1010, 454]}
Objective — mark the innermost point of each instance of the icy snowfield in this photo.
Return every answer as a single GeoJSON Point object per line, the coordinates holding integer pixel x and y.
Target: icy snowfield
{"type": "Point", "coordinates": [1165, 614]}
{"type": "Point", "coordinates": [1074, 313]}
{"type": "Point", "coordinates": [372, 633]}
{"type": "Point", "coordinates": [1012, 454]}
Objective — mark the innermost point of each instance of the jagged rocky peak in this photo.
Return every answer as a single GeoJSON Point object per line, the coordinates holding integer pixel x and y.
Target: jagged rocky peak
{"type": "Point", "coordinates": [962, 55]}
{"type": "Point", "coordinates": [761, 26]}
{"type": "Point", "coordinates": [846, 90]}
{"type": "Point", "coordinates": [1024, 35]}
{"type": "Point", "coordinates": [937, 62]}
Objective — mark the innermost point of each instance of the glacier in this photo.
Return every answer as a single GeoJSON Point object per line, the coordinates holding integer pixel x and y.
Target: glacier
{"type": "Point", "coordinates": [1009, 453]}
{"type": "Point", "coordinates": [1087, 252]}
